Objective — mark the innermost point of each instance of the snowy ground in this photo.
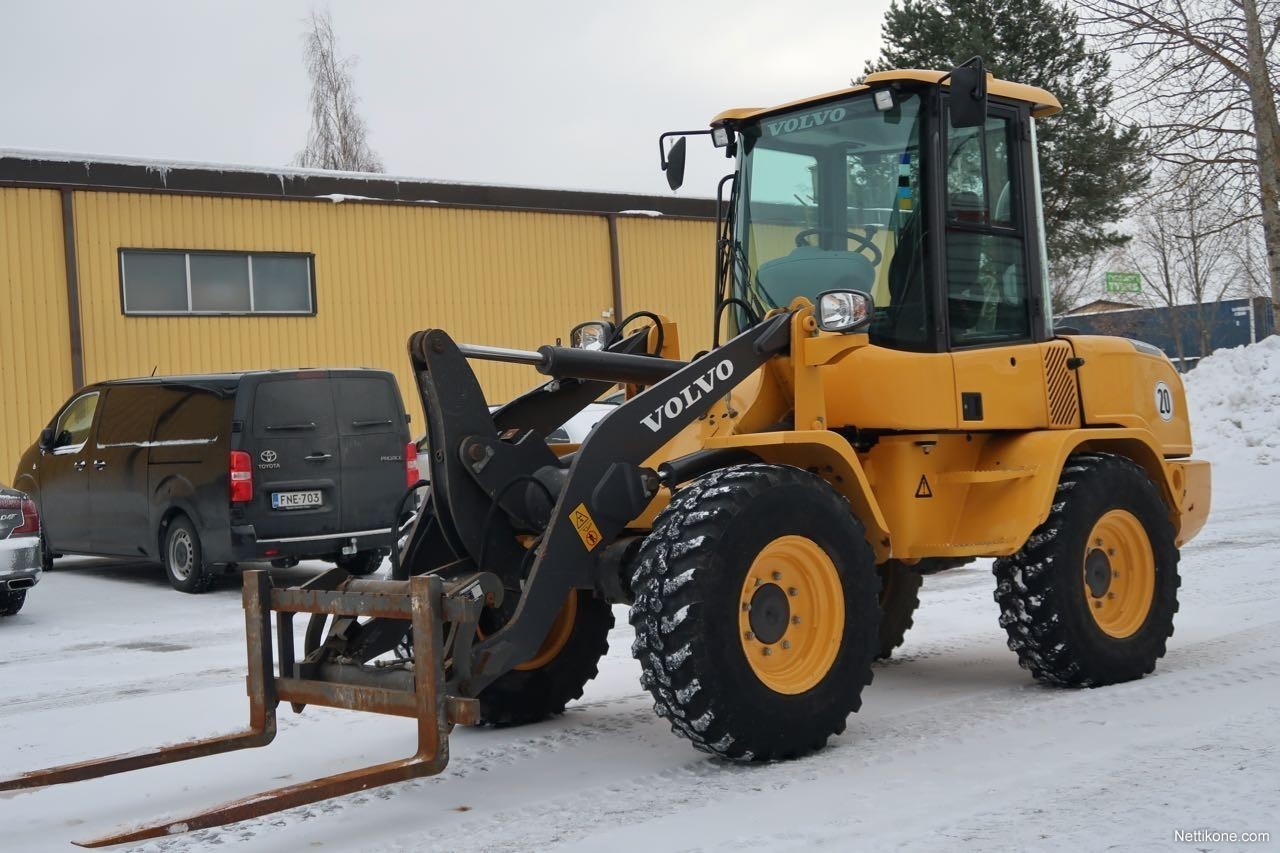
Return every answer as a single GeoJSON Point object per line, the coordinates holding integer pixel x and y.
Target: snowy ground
{"type": "Point", "coordinates": [955, 746]}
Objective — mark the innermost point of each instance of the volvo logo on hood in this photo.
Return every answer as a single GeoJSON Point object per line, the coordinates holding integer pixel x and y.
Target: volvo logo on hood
{"type": "Point", "coordinates": [268, 456]}
{"type": "Point", "coordinates": [700, 387]}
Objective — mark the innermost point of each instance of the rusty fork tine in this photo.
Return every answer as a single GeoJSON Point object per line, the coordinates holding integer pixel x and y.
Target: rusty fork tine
{"type": "Point", "coordinates": [137, 760]}
{"type": "Point", "coordinates": [262, 715]}
{"type": "Point", "coordinates": [280, 799]}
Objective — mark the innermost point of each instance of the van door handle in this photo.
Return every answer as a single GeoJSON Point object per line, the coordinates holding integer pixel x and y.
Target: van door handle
{"type": "Point", "coordinates": [319, 457]}
{"type": "Point", "coordinates": [99, 464]}
{"type": "Point", "coordinates": [79, 466]}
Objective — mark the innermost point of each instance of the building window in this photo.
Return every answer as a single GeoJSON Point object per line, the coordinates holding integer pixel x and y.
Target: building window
{"type": "Point", "coordinates": [176, 282]}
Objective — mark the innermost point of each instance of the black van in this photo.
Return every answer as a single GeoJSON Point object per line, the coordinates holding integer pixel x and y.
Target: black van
{"type": "Point", "coordinates": [201, 472]}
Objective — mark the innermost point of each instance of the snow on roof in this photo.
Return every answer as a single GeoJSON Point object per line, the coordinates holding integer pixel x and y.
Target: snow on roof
{"type": "Point", "coordinates": [108, 170]}
{"type": "Point", "coordinates": [167, 165]}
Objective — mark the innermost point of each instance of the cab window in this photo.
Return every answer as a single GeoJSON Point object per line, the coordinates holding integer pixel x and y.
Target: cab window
{"type": "Point", "coordinates": [72, 430]}
{"type": "Point", "coordinates": [831, 200]}
{"type": "Point", "coordinates": [987, 288]}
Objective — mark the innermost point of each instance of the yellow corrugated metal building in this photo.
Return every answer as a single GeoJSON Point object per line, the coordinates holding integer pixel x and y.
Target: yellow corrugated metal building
{"type": "Point", "coordinates": [382, 257]}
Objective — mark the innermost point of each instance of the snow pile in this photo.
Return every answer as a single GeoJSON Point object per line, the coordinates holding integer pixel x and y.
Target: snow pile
{"type": "Point", "coordinates": [1234, 397]}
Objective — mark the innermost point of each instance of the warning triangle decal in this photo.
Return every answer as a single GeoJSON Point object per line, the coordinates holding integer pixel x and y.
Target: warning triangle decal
{"type": "Point", "coordinates": [923, 490]}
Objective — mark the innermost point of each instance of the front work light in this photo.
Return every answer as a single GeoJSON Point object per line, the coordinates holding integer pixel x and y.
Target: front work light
{"type": "Point", "coordinates": [720, 137]}
{"type": "Point", "coordinates": [594, 335]}
{"type": "Point", "coordinates": [844, 310]}
{"type": "Point", "coordinates": [883, 99]}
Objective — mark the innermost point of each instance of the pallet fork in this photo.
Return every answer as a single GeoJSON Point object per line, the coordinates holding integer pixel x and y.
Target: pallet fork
{"type": "Point", "coordinates": [423, 601]}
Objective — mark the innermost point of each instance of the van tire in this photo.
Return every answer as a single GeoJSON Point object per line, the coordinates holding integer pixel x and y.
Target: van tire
{"type": "Point", "coordinates": [183, 557]}
{"type": "Point", "coordinates": [11, 602]}
{"type": "Point", "coordinates": [360, 563]}
{"type": "Point", "coordinates": [46, 555]}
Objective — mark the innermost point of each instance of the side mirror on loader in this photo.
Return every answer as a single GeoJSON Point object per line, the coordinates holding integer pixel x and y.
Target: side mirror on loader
{"type": "Point", "coordinates": [673, 164]}
{"type": "Point", "coordinates": [969, 94]}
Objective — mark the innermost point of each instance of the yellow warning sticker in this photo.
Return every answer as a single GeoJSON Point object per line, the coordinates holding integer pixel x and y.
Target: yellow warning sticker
{"type": "Point", "coordinates": [586, 526]}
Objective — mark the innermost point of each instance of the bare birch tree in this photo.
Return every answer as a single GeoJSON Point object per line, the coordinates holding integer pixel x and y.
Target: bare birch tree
{"type": "Point", "coordinates": [1205, 76]}
{"type": "Point", "coordinates": [1185, 256]}
{"type": "Point", "coordinates": [338, 136]}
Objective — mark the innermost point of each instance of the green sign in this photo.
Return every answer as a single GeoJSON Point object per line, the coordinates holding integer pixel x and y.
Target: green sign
{"type": "Point", "coordinates": [1124, 282]}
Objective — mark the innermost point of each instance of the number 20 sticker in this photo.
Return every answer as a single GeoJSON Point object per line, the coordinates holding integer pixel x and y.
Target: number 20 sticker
{"type": "Point", "coordinates": [1164, 401]}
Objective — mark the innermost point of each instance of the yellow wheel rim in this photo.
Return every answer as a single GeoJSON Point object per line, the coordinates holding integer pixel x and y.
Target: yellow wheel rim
{"type": "Point", "coordinates": [1119, 574]}
{"type": "Point", "coordinates": [556, 637]}
{"type": "Point", "coordinates": [791, 614]}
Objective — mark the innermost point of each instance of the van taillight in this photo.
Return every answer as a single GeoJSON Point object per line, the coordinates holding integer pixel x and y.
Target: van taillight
{"type": "Point", "coordinates": [411, 473]}
{"type": "Point", "coordinates": [241, 468]}
{"type": "Point", "coordinates": [30, 525]}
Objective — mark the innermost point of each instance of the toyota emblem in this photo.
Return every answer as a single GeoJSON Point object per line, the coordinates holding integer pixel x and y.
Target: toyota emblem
{"type": "Point", "coordinates": [268, 456]}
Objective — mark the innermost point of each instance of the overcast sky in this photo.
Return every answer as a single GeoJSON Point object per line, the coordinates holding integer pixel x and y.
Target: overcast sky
{"type": "Point", "coordinates": [565, 94]}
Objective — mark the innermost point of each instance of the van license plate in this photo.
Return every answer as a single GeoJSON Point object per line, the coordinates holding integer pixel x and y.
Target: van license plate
{"type": "Point", "coordinates": [296, 500]}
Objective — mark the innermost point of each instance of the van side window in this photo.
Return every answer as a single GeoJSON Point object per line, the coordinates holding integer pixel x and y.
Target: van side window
{"type": "Point", "coordinates": [190, 416]}
{"type": "Point", "coordinates": [127, 416]}
{"type": "Point", "coordinates": [75, 422]}
{"type": "Point", "coordinates": [986, 260]}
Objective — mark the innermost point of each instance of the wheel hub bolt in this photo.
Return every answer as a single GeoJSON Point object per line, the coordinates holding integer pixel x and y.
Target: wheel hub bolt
{"type": "Point", "coordinates": [777, 576]}
{"type": "Point", "coordinates": [795, 620]}
{"type": "Point", "coordinates": [746, 607]}
{"type": "Point", "coordinates": [792, 591]}
{"type": "Point", "coordinates": [786, 644]}
{"type": "Point", "coordinates": [767, 651]}
{"type": "Point", "coordinates": [749, 635]}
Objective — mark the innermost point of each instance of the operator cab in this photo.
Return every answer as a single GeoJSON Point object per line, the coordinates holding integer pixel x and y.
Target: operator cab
{"type": "Point", "coordinates": [890, 188]}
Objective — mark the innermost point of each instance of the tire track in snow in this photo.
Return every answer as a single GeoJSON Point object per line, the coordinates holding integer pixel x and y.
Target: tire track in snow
{"type": "Point", "coordinates": [868, 743]}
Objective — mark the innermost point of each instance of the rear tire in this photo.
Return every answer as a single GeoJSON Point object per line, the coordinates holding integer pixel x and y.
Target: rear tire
{"type": "Point", "coordinates": [11, 602]}
{"type": "Point", "coordinates": [1090, 598]}
{"type": "Point", "coordinates": [361, 563]}
{"type": "Point", "coordinates": [899, 598]}
{"type": "Point", "coordinates": [755, 612]}
{"type": "Point", "coordinates": [46, 555]}
{"type": "Point", "coordinates": [541, 687]}
{"type": "Point", "coordinates": [183, 558]}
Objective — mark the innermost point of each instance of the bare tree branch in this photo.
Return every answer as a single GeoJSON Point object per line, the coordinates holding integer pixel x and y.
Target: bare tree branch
{"type": "Point", "coordinates": [338, 137]}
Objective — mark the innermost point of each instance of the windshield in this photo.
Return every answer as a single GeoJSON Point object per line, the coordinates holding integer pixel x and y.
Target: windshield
{"type": "Point", "coordinates": [831, 199]}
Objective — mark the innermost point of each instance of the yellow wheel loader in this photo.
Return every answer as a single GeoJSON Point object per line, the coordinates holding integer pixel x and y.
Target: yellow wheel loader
{"type": "Point", "coordinates": [886, 397]}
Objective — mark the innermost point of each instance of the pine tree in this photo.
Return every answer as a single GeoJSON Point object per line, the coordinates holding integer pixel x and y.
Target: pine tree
{"type": "Point", "coordinates": [1089, 163]}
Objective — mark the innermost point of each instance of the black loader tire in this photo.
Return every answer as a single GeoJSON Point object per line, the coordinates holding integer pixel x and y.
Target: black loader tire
{"type": "Point", "coordinates": [11, 602]}
{"type": "Point", "coordinates": [899, 598]}
{"type": "Point", "coordinates": [183, 558]}
{"type": "Point", "coordinates": [694, 573]}
{"type": "Point", "coordinates": [1050, 591]}
{"type": "Point", "coordinates": [361, 563]}
{"type": "Point", "coordinates": [529, 695]}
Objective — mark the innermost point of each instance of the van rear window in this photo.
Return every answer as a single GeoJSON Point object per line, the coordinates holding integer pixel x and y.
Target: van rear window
{"type": "Point", "coordinates": [293, 407]}
{"type": "Point", "coordinates": [366, 406]}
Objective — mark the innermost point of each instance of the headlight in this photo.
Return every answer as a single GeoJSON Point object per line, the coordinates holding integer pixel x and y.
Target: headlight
{"type": "Point", "coordinates": [591, 336]}
{"type": "Point", "coordinates": [844, 310]}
